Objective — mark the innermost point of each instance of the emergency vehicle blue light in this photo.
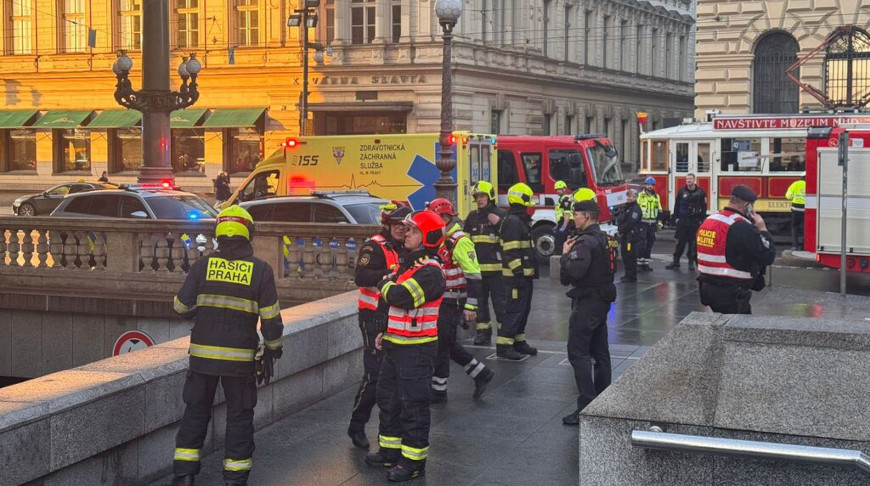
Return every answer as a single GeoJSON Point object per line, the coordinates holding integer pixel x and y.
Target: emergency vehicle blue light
{"type": "Point", "coordinates": [193, 216]}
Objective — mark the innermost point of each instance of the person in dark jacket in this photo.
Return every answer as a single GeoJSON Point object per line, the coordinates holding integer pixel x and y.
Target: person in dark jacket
{"type": "Point", "coordinates": [227, 293]}
{"type": "Point", "coordinates": [630, 235]}
{"type": "Point", "coordinates": [690, 209]}
{"type": "Point", "coordinates": [222, 191]}
{"type": "Point", "coordinates": [378, 257]}
{"type": "Point", "coordinates": [734, 247]}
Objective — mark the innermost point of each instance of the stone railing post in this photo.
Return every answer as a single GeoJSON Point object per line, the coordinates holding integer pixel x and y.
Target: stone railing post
{"type": "Point", "coordinates": [123, 251]}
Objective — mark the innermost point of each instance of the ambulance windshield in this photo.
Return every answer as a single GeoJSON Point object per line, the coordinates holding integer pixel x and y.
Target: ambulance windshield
{"type": "Point", "coordinates": [605, 163]}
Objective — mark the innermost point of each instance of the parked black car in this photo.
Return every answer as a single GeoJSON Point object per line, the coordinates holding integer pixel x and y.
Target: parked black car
{"type": "Point", "coordinates": [44, 203]}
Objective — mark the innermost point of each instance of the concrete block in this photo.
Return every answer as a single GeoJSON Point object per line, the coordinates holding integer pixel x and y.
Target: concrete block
{"type": "Point", "coordinates": [88, 338]}
{"type": "Point", "coordinates": [343, 336]}
{"type": "Point", "coordinates": [164, 403]}
{"type": "Point", "coordinates": [341, 372]}
{"type": "Point", "coordinates": [155, 453]}
{"type": "Point", "coordinates": [5, 344]}
{"type": "Point", "coordinates": [179, 328]}
{"type": "Point", "coordinates": [57, 339]}
{"type": "Point", "coordinates": [302, 350]}
{"type": "Point", "coordinates": [555, 266]}
{"type": "Point", "coordinates": [157, 329]}
{"type": "Point", "coordinates": [297, 392]}
{"type": "Point", "coordinates": [26, 343]}
{"type": "Point", "coordinates": [115, 326]}
{"type": "Point", "coordinates": [24, 427]}
{"type": "Point", "coordinates": [117, 466]}
{"type": "Point", "coordinates": [791, 331]}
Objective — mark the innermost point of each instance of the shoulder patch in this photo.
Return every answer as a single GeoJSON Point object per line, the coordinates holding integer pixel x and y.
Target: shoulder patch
{"type": "Point", "coordinates": [471, 255]}
{"type": "Point", "coordinates": [365, 259]}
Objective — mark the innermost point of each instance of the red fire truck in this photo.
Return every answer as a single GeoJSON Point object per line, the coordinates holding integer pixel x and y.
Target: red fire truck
{"type": "Point", "coordinates": [580, 160]}
{"type": "Point", "coordinates": [764, 152]}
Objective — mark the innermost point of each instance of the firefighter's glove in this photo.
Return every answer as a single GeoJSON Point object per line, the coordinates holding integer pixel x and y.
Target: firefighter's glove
{"type": "Point", "coordinates": [264, 363]}
{"type": "Point", "coordinates": [659, 225]}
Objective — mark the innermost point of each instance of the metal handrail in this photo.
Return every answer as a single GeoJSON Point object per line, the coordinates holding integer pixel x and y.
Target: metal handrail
{"type": "Point", "coordinates": [656, 439]}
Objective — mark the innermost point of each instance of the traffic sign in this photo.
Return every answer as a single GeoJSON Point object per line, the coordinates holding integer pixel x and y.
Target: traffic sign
{"type": "Point", "coordinates": [131, 341]}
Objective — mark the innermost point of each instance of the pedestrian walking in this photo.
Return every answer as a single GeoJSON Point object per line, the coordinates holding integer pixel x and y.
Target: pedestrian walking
{"type": "Point", "coordinates": [222, 191]}
{"type": "Point", "coordinates": [520, 269]}
{"type": "Point", "coordinates": [588, 265]}
{"type": "Point", "coordinates": [563, 215]}
{"type": "Point", "coordinates": [482, 224]}
{"type": "Point", "coordinates": [227, 293]}
{"type": "Point", "coordinates": [104, 177]}
{"type": "Point", "coordinates": [797, 194]}
{"type": "Point", "coordinates": [378, 257]}
{"type": "Point", "coordinates": [690, 210]}
{"type": "Point", "coordinates": [734, 246]}
{"type": "Point", "coordinates": [651, 206]}
{"type": "Point", "coordinates": [630, 235]}
{"type": "Point", "coordinates": [459, 305]}
{"type": "Point", "coordinates": [410, 344]}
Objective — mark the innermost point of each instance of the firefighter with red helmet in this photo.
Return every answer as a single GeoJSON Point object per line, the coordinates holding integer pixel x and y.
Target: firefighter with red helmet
{"type": "Point", "coordinates": [410, 343]}
{"type": "Point", "coordinates": [378, 257]}
{"type": "Point", "coordinates": [460, 303]}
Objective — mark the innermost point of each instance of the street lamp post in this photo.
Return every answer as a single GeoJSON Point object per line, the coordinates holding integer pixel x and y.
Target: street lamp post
{"type": "Point", "coordinates": [448, 12]}
{"type": "Point", "coordinates": [304, 18]}
{"type": "Point", "coordinates": [155, 100]}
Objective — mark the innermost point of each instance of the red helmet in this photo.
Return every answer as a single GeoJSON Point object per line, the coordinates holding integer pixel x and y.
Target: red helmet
{"type": "Point", "coordinates": [430, 224]}
{"type": "Point", "coordinates": [442, 206]}
{"type": "Point", "coordinates": [394, 212]}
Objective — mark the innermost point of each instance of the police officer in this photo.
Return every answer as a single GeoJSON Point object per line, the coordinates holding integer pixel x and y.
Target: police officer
{"type": "Point", "coordinates": [587, 265]}
{"type": "Point", "coordinates": [651, 205]}
{"type": "Point", "coordinates": [226, 293]}
{"type": "Point", "coordinates": [482, 224]}
{"type": "Point", "coordinates": [378, 257]}
{"type": "Point", "coordinates": [797, 194]}
{"type": "Point", "coordinates": [733, 248]}
{"type": "Point", "coordinates": [628, 226]}
{"type": "Point", "coordinates": [519, 268]}
{"type": "Point", "coordinates": [462, 272]}
{"type": "Point", "coordinates": [410, 345]}
{"type": "Point", "coordinates": [689, 211]}
{"type": "Point", "coordinates": [563, 215]}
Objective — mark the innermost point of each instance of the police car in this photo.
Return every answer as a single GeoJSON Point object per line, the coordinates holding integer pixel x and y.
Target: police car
{"type": "Point", "coordinates": [143, 201]}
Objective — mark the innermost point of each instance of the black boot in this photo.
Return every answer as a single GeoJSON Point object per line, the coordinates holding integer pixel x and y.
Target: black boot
{"type": "Point", "coordinates": [626, 278]}
{"type": "Point", "coordinates": [523, 347]}
{"type": "Point", "coordinates": [358, 437]}
{"type": "Point", "coordinates": [675, 265]}
{"type": "Point", "coordinates": [235, 483]}
{"type": "Point", "coordinates": [572, 418]}
{"type": "Point", "coordinates": [383, 458]}
{"type": "Point", "coordinates": [506, 351]}
{"type": "Point", "coordinates": [186, 480]}
{"type": "Point", "coordinates": [484, 337]}
{"type": "Point", "coordinates": [481, 380]}
{"type": "Point", "coordinates": [402, 473]}
{"type": "Point", "coordinates": [692, 265]}
{"type": "Point", "coordinates": [437, 396]}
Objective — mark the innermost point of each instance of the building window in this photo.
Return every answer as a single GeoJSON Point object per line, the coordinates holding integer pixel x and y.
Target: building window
{"type": "Point", "coordinates": [18, 148]}
{"type": "Point", "coordinates": [73, 26]}
{"type": "Point", "coordinates": [847, 60]}
{"type": "Point", "coordinates": [247, 23]}
{"type": "Point", "coordinates": [21, 26]}
{"type": "Point", "coordinates": [187, 19]}
{"type": "Point", "coordinates": [590, 124]}
{"type": "Point", "coordinates": [772, 91]}
{"type": "Point", "coordinates": [131, 25]}
{"type": "Point", "coordinates": [245, 149]}
{"type": "Point", "coordinates": [362, 21]}
{"type": "Point", "coordinates": [125, 152]}
{"type": "Point", "coordinates": [188, 150]}
{"type": "Point", "coordinates": [569, 124]}
{"type": "Point", "coordinates": [495, 122]}
{"type": "Point", "coordinates": [330, 21]}
{"type": "Point", "coordinates": [72, 150]}
{"type": "Point", "coordinates": [397, 21]}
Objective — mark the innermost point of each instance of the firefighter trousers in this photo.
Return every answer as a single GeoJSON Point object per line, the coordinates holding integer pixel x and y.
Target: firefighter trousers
{"type": "Point", "coordinates": [366, 396]}
{"type": "Point", "coordinates": [587, 339]}
{"type": "Point", "coordinates": [449, 316]}
{"type": "Point", "coordinates": [492, 288]}
{"type": "Point", "coordinates": [403, 398]}
{"type": "Point", "coordinates": [198, 395]}
{"type": "Point", "coordinates": [518, 293]}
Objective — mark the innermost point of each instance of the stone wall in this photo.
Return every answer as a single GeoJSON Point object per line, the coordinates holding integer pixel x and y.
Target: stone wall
{"type": "Point", "coordinates": [116, 419]}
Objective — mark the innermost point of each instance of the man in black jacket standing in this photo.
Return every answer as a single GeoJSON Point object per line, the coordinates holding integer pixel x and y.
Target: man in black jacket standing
{"type": "Point", "coordinates": [690, 209]}
{"type": "Point", "coordinates": [587, 266]}
{"type": "Point", "coordinates": [630, 235]}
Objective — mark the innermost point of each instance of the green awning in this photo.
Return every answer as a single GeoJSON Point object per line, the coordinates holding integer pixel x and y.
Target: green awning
{"type": "Point", "coordinates": [233, 117]}
{"type": "Point", "coordinates": [62, 119]}
{"type": "Point", "coordinates": [116, 119]}
{"type": "Point", "coordinates": [185, 118]}
{"type": "Point", "coordinates": [15, 118]}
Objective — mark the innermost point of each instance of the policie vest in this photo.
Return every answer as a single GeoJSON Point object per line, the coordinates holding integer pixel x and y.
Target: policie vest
{"type": "Point", "coordinates": [414, 326]}
{"type": "Point", "coordinates": [369, 296]}
{"type": "Point", "coordinates": [456, 285]}
{"type": "Point", "coordinates": [603, 264]}
{"type": "Point", "coordinates": [711, 239]}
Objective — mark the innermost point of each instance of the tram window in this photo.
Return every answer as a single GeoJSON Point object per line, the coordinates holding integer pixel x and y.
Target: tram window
{"type": "Point", "coordinates": [659, 155]}
{"type": "Point", "coordinates": [703, 157]}
{"type": "Point", "coordinates": [788, 154]}
{"type": "Point", "coordinates": [682, 157]}
{"type": "Point", "coordinates": [741, 154]}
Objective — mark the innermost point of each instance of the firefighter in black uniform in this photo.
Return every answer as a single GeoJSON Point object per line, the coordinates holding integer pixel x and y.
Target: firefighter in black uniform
{"type": "Point", "coordinates": [378, 257]}
{"type": "Point", "coordinates": [587, 265]}
{"type": "Point", "coordinates": [226, 292]}
{"type": "Point", "coordinates": [734, 246]}
{"type": "Point", "coordinates": [630, 235]}
{"type": "Point", "coordinates": [410, 343]}
{"type": "Point", "coordinates": [520, 268]}
{"type": "Point", "coordinates": [690, 210]}
{"type": "Point", "coordinates": [482, 224]}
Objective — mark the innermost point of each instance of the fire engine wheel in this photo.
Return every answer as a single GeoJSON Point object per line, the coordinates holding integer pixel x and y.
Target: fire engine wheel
{"type": "Point", "coordinates": [544, 240]}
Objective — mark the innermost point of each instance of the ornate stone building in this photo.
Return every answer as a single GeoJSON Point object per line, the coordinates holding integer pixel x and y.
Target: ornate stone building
{"type": "Point", "coordinates": [520, 66]}
{"type": "Point", "coordinates": [745, 48]}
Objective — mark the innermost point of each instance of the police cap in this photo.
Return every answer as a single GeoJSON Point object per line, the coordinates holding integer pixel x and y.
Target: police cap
{"type": "Point", "coordinates": [586, 206]}
{"type": "Point", "coordinates": [744, 193]}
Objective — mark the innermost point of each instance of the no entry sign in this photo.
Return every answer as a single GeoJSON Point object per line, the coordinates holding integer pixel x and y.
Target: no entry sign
{"type": "Point", "coordinates": [131, 341]}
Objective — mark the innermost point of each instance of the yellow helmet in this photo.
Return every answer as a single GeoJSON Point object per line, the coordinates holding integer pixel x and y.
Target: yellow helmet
{"type": "Point", "coordinates": [520, 194]}
{"type": "Point", "coordinates": [234, 221]}
{"type": "Point", "coordinates": [483, 187]}
{"type": "Point", "coordinates": [560, 185]}
{"type": "Point", "coordinates": [584, 194]}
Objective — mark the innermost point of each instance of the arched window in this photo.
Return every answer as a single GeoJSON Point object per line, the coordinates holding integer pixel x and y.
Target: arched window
{"type": "Point", "coordinates": [772, 91]}
{"type": "Point", "coordinates": [847, 60]}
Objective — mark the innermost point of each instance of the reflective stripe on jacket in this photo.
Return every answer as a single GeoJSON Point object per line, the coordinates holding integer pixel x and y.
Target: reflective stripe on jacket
{"type": "Point", "coordinates": [711, 238]}
{"type": "Point", "coordinates": [461, 269]}
{"type": "Point", "coordinates": [369, 296]}
{"type": "Point", "coordinates": [797, 194]}
{"type": "Point", "coordinates": [650, 205]}
{"type": "Point", "coordinates": [418, 324]}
